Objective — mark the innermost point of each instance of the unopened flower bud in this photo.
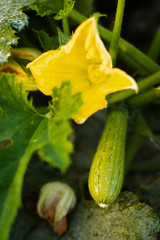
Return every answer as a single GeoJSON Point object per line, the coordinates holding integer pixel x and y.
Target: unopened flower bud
{"type": "Point", "coordinates": [25, 53]}
{"type": "Point", "coordinates": [22, 77]}
{"type": "Point", "coordinates": [55, 201]}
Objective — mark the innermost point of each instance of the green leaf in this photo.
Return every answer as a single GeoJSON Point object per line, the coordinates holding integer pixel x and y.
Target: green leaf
{"type": "Point", "coordinates": [62, 37]}
{"type": "Point", "coordinates": [63, 97]}
{"type": "Point", "coordinates": [47, 42]}
{"type": "Point", "coordinates": [57, 148]}
{"type": "Point", "coordinates": [68, 6]}
{"type": "Point", "coordinates": [24, 131]}
{"type": "Point", "coordinates": [18, 122]}
{"type": "Point", "coordinates": [11, 18]}
{"type": "Point", "coordinates": [47, 7]}
{"type": "Point", "coordinates": [126, 218]}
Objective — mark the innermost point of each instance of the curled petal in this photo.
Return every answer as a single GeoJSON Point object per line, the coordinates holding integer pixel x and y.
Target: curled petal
{"type": "Point", "coordinates": [117, 80]}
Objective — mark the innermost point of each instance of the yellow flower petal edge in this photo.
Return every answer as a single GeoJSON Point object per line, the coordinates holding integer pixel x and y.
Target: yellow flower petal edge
{"type": "Point", "coordinates": [85, 62]}
{"type": "Point", "coordinates": [94, 100]}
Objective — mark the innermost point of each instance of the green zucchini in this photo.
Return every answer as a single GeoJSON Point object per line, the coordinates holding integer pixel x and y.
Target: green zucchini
{"type": "Point", "coordinates": [107, 169]}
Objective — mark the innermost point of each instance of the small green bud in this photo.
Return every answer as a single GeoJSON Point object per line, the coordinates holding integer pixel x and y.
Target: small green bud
{"type": "Point", "coordinates": [25, 53]}
{"type": "Point", "coordinates": [55, 201]}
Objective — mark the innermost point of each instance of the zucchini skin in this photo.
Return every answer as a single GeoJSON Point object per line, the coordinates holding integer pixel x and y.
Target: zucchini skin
{"type": "Point", "coordinates": [107, 169]}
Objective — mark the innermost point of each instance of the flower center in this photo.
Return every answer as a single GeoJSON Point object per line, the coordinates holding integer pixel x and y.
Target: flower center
{"type": "Point", "coordinates": [96, 73]}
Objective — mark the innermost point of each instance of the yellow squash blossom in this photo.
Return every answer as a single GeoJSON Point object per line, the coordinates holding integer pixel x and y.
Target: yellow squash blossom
{"type": "Point", "coordinates": [85, 62]}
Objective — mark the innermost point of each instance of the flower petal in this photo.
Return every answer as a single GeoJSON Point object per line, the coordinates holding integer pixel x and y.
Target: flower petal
{"type": "Point", "coordinates": [117, 80]}
{"type": "Point", "coordinates": [86, 41]}
{"type": "Point", "coordinates": [54, 67]}
{"type": "Point", "coordinates": [94, 100]}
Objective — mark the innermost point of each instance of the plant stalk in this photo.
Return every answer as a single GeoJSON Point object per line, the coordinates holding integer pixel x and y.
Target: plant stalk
{"type": "Point", "coordinates": [65, 26]}
{"type": "Point", "coordinates": [147, 166]}
{"type": "Point", "coordinates": [154, 49]}
{"type": "Point", "coordinates": [144, 98]}
{"type": "Point", "coordinates": [113, 50]}
{"type": "Point", "coordinates": [132, 149]}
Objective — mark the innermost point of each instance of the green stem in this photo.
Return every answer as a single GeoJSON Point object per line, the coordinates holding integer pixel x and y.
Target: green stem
{"type": "Point", "coordinates": [142, 131]}
{"type": "Point", "coordinates": [132, 149]}
{"type": "Point", "coordinates": [119, 96]}
{"type": "Point", "coordinates": [154, 49]}
{"type": "Point", "coordinates": [149, 81]}
{"type": "Point", "coordinates": [147, 166]}
{"type": "Point", "coordinates": [144, 98]}
{"type": "Point", "coordinates": [117, 30]}
{"type": "Point", "coordinates": [140, 58]}
{"type": "Point", "coordinates": [145, 130]}
{"type": "Point", "coordinates": [142, 127]}
{"type": "Point", "coordinates": [142, 85]}
{"type": "Point", "coordinates": [129, 62]}
{"type": "Point", "coordinates": [65, 26]}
